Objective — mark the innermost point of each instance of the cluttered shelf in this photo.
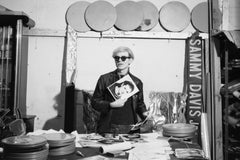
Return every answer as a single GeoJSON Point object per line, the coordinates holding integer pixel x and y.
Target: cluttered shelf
{"type": "Point", "coordinates": [233, 149]}
{"type": "Point", "coordinates": [228, 49]}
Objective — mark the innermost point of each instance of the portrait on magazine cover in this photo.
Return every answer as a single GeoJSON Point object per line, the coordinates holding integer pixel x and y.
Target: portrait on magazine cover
{"type": "Point", "coordinates": [123, 88]}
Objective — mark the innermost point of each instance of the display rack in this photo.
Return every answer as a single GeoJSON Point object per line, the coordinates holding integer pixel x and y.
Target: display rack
{"type": "Point", "coordinates": [229, 55]}
{"type": "Point", "coordinates": [13, 60]}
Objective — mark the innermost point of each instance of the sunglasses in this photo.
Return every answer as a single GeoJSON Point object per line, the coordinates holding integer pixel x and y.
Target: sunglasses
{"type": "Point", "coordinates": [123, 58]}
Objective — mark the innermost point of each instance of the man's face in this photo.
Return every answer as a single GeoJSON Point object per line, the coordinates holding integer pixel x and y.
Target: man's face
{"type": "Point", "coordinates": [123, 60]}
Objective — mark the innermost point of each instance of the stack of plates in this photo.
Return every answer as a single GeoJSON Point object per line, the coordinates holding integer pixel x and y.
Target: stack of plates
{"type": "Point", "coordinates": [60, 143]}
{"type": "Point", "coordinates": [25, 148]}
{"type": "Point", "coordinates": [180, 130]}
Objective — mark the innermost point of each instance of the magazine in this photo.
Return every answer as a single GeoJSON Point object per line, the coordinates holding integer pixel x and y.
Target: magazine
{"type": "Point", "coordinates": [123, 88]}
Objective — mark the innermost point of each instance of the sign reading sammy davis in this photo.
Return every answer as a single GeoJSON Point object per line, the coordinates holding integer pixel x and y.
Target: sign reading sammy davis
{"type": "Point", "coordinates": [194, 80]}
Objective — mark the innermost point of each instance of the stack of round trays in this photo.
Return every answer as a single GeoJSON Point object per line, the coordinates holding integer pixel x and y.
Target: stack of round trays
{"type": "Point", "coordinates": [26, 147]}
{"type": "Point", "coordinates": [60, 143]}
{"type": "Point", "coordinates": [179, 130]}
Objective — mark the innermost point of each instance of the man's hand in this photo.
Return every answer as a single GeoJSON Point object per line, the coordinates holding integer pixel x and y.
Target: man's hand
{"type": "Point", "coordinates": [118, 103]}
{"type": "Point", "coordinates": [146, 113]}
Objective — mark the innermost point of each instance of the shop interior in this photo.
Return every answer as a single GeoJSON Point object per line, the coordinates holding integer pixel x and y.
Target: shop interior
{"type": "Point", "coordinates": [186, 54]}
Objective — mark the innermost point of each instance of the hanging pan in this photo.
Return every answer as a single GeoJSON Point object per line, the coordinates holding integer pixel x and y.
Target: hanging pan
{"type": "Point", "coordinates": [174, 16]}
{"type": "Point", "coordinates": [199, 17]}
{"type": "Point", "coordinates": [75, 16]}
{"type": "Point", "coordinates": [129, 15]}
{"type": "Point", "coordinates": [100, 15]}
{"type": "Point", "coordinates": [150, 15]}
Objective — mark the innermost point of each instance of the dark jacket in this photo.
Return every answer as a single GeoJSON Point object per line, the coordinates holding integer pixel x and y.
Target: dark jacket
{"type": "Point", "coordinates": [102, 98]}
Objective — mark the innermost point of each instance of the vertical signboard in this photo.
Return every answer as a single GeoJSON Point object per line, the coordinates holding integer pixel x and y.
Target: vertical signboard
{"type": "Point", "coordinates": [194, 80]}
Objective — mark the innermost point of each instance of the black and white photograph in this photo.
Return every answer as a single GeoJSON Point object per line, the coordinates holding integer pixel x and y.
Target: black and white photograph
{"type": "Point", "coordinates": [76, 73]}
{"type": "Point", "coordinates": [123, 88]}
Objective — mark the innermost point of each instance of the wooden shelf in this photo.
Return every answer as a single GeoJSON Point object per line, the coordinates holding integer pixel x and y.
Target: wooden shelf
{"type": "Point", "coordinates": [114, 34]}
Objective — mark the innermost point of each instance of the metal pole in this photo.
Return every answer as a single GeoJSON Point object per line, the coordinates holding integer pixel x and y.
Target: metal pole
{"type": "Point", "coordinates": [2, 67]}
{"type": "Point", "coordinates": [226, 144]}
{"type": "Point", "coordinates": [211, 110]}
{"type": "Point", "coordinates": [17, 66]}
{"type": "Point", "coordinates": [7, 58]}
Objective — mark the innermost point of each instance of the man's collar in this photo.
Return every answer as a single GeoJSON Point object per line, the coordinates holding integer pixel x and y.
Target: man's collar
{"type": "Point", "coordinates": [116, 72]}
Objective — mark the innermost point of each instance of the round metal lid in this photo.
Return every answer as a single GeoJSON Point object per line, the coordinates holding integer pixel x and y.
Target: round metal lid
{"type": "Point", "coordinates": [179, 127]}
{"type": "Point", "coordinates": [75, 16]}
{"type": "Point", "coordinates": [174, 16]}
{"type": "Point", "coordinates": [59, 139]}
{"type": "Point", "coordinates": [25, 141]}
{"type": "Point", "coordinates": [199, 17]}
{"type": "Point", "coordinates": [179, 130]}
{"type": "Point", "coordinates": [129, 15]}
{"type": "Point", "coordinates": [150, 15]}
{"type": "Point", "coordinates": [216, 18]}
{"type": "Point", "coordinates": [178, 135]}
{"type": "Point", "coordinates": [100, 15]}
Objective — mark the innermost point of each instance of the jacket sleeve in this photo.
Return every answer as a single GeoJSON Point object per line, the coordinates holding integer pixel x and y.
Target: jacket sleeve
{"type": "Point", "coordinates": [141, 107]}
{"type": "Point", "coordinates": [99, 101]}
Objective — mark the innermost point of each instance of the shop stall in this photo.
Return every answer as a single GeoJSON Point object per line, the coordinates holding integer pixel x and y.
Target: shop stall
{"type": "Point", "coordinates": [187, 104]}
{"type": "Point", "coordinates": [182, 56]}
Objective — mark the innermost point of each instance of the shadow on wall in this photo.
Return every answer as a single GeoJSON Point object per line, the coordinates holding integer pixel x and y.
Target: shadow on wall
{"type": "Point", "coordinates": [56, 123]}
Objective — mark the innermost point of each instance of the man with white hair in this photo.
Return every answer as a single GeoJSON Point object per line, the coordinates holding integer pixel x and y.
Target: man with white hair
{"type": "Point", "coordinates": [118, 116]}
